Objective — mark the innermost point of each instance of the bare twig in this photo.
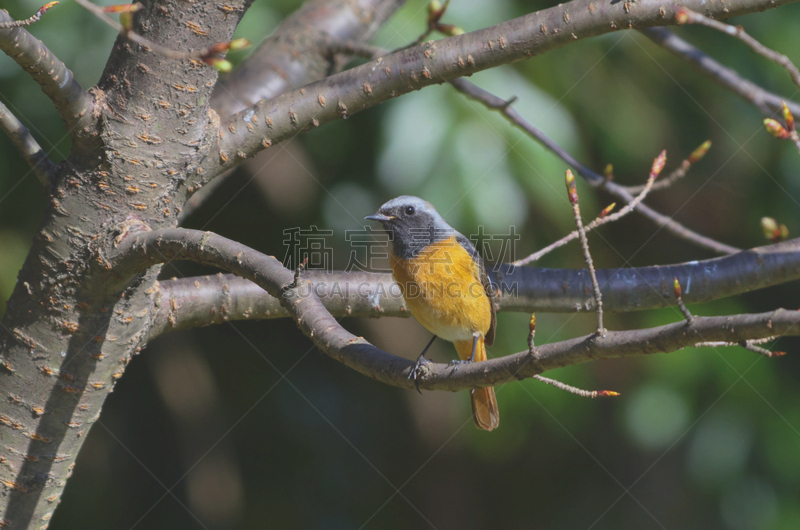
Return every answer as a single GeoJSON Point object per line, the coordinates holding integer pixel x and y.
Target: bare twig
{"type": "Point", "coordinates": [670, 225]}
{"type": "Point", "coordinates": [687, 16]}
{"type": "Point", "coordinates": [592, 394]}
{"type": "Point", "coordinates": [767, 102]}
{"type": "Point", "coordinates": [750, 345]}
{"type": "Point", "coordinates": [27, 145]}
{"type": "Point", "coordinates": [532, 336]}
{"type": "Point", "coordinates": [601, 219]}
{"type": "Point", "coordinates": [562, 386]}
{"type": "Point", "coordinates": [572, 192]}
{"type": "Point", "coordinates": [685, 310]}
{"type": "Point", "coordinates": [494, 102]}
{"type": "Point", "coordinates": [28, 21]}
{"type": "Point", "coordinates": [566, 239]}
{"type": "Point", "coordinates": [57, 82]}
{"type": "Point", "coordinates": [679, 172]}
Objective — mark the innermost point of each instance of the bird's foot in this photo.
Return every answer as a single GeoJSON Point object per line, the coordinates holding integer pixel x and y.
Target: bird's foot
{"type": "Point", "coordinates": [415, 371]}
{"type": "Point", "coordinates": [455, 364]}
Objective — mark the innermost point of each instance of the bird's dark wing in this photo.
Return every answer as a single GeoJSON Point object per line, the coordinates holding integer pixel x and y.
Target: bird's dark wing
{"type": "Point", "coordinates": [487, 283]}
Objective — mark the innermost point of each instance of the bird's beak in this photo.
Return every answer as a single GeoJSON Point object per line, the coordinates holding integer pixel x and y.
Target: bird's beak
{"type": "Point", "coordinates": [380, 217]}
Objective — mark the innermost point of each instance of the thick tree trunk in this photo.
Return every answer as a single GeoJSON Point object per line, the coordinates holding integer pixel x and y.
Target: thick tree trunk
{"type": "Point", "coordinates": [73, 323]}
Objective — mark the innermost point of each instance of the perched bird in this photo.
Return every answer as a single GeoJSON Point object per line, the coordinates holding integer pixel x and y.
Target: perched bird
{"type": "Point", "coordinates": [445, 285]}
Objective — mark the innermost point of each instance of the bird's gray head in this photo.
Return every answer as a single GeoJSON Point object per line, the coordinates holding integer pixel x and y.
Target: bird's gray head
{"type": "Point", "coordinates": [412, 223]}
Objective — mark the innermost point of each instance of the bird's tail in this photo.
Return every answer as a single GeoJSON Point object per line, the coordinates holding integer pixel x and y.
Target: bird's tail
{"type": "Point", "coordinates": [484, 403]}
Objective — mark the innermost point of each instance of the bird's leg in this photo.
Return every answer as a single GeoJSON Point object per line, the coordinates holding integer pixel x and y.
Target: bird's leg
{"type": "Point", "coordinates": [459, 362]}
{"type": "Point", "coordinates": [421, 361]}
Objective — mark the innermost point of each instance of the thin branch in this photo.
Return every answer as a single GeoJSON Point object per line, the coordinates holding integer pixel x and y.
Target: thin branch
{"type": "Point", "coordinates": [678, 173]}
{"type": "Point", "coordinates": [558, 384]}
{"type": "Point", "coordinates": [496, 103]}
{"type": "Point", "coordinates": [336, 97]}
{"type": "Point", "coordinates": [28, 147]}
{"type": "Point", "coordinates": [131, 251]}
{"type": "Point", "coordinates": [679, 299]}
{"type": "Point", "coordinates": [670, 225]}
{"type": "Point", "coordinates": [288, 59]}
{"type": "Point", "coordinates": [28, 21]}
{"type": "Point", "coordinates": [71, 101]}
{"type": "Point", "coordinates": [685, 16]}
{"type": "Point", "coordinates": [591, 394]}
{"type": "Point", "coordinates": [532, 336]}
{"type": "Point", "coordinates": [602, 219]}
{"type": "Point", "coordinates": [766, 101]}
{"type": "Point", "coordinates": [572, 192]}
{"type": "Point", "coordinates": [750, 345]}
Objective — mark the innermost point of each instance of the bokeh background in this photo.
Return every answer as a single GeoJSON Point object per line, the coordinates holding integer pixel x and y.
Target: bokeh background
{"type": "Point", "coordinates": [245, 425]}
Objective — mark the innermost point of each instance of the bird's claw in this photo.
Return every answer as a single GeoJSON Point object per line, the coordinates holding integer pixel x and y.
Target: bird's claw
{"type": "Point", "coordinates": [455, 364]}
{"type": "Point", "coordinates": [414, 374]}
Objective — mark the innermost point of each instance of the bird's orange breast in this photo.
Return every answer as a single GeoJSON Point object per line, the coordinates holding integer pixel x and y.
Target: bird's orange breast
{"type": "Point", "coordinates": [443, 290]}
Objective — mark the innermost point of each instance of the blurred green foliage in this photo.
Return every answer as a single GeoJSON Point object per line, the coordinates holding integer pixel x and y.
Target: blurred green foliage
{"type": "Point", "coordinates": [283, 437]}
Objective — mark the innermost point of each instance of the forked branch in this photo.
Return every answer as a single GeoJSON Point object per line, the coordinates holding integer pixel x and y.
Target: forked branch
{"type": "Point", "coordinates": [204, 300]}
{"type": "Point", "coordinates": [141, 250]}
{"type": "Point", "coordinates": [57, 82]}
{"type": "Point", "coordinates": [495, 103]}
{"type": "Point", "coordinates": [339, 96]}
{"type": "Point", "coordinates": [766, 101]}
{"type": "Point", "coordinates": [687, 16]}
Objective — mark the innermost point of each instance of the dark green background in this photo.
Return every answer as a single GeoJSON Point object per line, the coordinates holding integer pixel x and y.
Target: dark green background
{"type": "Point", "coordinates": [700, 438]}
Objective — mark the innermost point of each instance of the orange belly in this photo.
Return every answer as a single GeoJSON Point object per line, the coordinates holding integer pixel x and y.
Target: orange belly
{"type": "Point", "coordinates": [443, 291]}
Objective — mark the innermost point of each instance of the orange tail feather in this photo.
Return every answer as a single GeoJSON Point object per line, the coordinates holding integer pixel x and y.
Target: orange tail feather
{"type": "Point", "coordinates": [484, 409]}
{"type": "Point", "coordinates": [485, 413]}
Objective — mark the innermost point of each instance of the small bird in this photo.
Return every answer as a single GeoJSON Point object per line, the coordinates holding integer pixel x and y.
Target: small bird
{"type": "Point", "coordinates": [445, 285]}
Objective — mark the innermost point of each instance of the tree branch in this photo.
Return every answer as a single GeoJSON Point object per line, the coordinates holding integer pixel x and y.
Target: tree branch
{"type": "Point", "coordinates": [616, 344]}
{"type": "Point", "coordinates": [200, 301]}
{"type": "Point", "coordinates": [493, 102]}
{"type": "Point", "coordinates": [145, 249]}
{"type": "Point", "coordinates": [766, 101]}
{"type": "Point", "coordinates": [28, 147]}
{"type": "Point", "coordinates": [338, 96]}
{"type": "Point", "coordinates": [290, 58]}
{"type": "Point", "coordinates": [28, 21]}
{"type": "Point", "coordinates": [688, 16]}
{"type": "Point", "coordinates": [71, 101]}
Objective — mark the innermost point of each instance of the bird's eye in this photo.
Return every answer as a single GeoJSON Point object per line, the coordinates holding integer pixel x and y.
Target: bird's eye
{"type": "Point", "coordinates": [410, 210]}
